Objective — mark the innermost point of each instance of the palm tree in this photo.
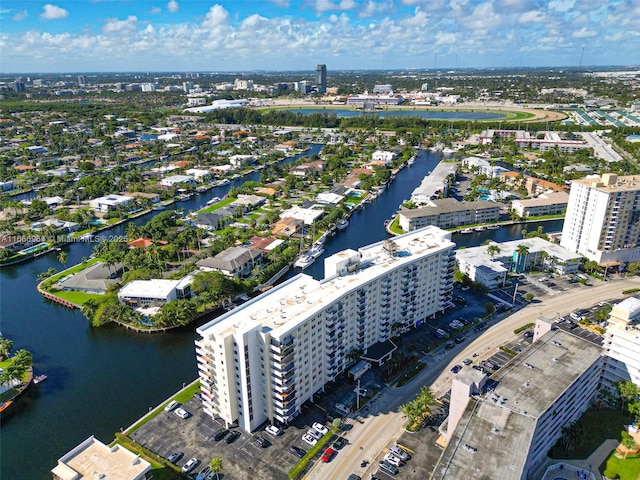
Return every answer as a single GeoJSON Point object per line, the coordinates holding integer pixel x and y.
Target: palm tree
{"type": "Point", "coordinates": [493, 250]}
{"type": "Point", "coordinates": [572, 435]}
{"type": "Point", "coordinates": [6, 346]}
{"type": "Point", "coordinates": [89, 308]}
{"type": "Point", "coordinates": [62, 257]}
{"type": "Point", "coordinates": [216, 465]}
{"type": "Point", "coordinates": [543, 255]}
{"type": "Point", "coordinates": [522, 251]}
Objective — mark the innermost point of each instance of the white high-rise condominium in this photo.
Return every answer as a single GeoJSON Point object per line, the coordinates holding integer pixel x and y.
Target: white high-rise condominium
{"type": "Point", "coordinates": [264, 359]}
{"type": "Point", "coordinates": [603, 219]}
{"type": "Point", "coordinates": [622, 343]}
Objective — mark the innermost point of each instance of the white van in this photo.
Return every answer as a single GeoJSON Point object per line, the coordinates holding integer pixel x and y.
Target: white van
{"type": "Point", "coordinates": [393, 460]}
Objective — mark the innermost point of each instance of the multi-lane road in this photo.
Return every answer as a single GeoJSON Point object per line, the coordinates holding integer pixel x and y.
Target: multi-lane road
{"type": "Point", "coordinates": [381, 423]}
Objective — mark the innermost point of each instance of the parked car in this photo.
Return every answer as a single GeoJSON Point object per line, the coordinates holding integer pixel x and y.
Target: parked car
{"type": "Point", "coordinates": [314, 433]}
{"type": "Point", "coordinates": [273, 430]}
{"type": "Point", "coordinates": [479, 368]}
{"type": "Point", "coordinates": [353, 476]}
{"type": "Point", "coordinates": [456, 368]}
{"type": "Point", "coordinates": [387, 467]}
{"type": "Point", "coordinates": [175, 456]}
{"type": "Point", "coordinates": [449, 345]}
{"type": "Point", "coordinates": [190, 465]}
{"type": "Point", "coordinates": [202, 475]}
{"type": "Point", "coordinates": [528, 334]}
{"type": "Point", "coordinates": [328, 455]}
{"type": "Point", "coordinates": [171, 405]}
{"type": "Point", "coordinates": [399, 452]}
{"type": "Point", "coordinates": [459, 339]}
{"type": "Point", "coordinates": [392, 459]}
{"type": "Point", "coordinates": [260, 442]}
{"type": "Point", "coordinates": [220, 434]}
{"type": "Point", "coordinates": [232, 437]}
{"type": "Point", "coordinates": [340, 443]}
{"type": "Point", "coordinates": [320, 428]}
{"type": "Point", "coordinates": [467, 361]}
{"type": "Point", "coordinates": [309, 439]}
{"type": "Point", "coordinates": [182, 413]}
{"type": "Point", "coordinates": [297, 451]}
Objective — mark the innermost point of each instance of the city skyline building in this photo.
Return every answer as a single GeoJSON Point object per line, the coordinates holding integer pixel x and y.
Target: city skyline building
{"type": "Point", "coordinates": [264, 359]}
{"type": "Point", "coordinates": [602, 221]}
{"type": "Point", "coordinates": [321, 78]}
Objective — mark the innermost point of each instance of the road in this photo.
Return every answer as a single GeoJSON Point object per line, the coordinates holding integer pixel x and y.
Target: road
{"type": "Point", "coordinates": [381, 424]}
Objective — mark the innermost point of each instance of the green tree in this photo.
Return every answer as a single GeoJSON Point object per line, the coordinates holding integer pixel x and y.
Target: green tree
{"type": "Point", "coordinates": [493, 250]}
{"type": "Point", "coordinates": [529, 297]}
{"type": "Point", "coordinates": [216, 465]}
{"type": "Point", "coordinates": [89, 308]}
{"type": "Point", "coordinates": [62, 257]}
{"type": "Point", "coordinates": [572, 435]}
{"type": "Point", "coordinates": [6, 345]}
{"type": "Point", "coordinates": [628, 392]}
{"type": "Point", "coordinates": [628, 443]}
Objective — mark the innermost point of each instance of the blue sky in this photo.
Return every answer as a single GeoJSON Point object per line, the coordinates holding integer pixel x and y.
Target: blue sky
{"type": "Point", "coordinates": [242, 35]}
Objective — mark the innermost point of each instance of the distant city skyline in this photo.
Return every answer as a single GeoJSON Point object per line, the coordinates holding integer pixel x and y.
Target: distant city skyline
{"type": "Point", "coordinates": [187, 35]}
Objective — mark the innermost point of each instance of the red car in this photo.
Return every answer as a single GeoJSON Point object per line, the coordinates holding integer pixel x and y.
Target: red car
{"type": "Point", "coordinates": [328, 455]}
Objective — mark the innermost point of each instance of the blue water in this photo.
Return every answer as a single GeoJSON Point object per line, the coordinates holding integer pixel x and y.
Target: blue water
{"type": "Point", "coordinates": [428, 114]}
{"type": "Point", "coordinates": [633, 138]}
{"type": "Point", "coordinates": [29, 250]}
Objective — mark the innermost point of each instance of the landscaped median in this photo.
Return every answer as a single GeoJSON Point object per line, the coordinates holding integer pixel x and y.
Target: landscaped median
{"type": "Point", "coordinates": [300, 467]}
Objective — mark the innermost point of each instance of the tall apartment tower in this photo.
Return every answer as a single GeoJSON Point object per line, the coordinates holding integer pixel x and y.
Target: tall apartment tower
{"type": "Point", "coordinates": [603, 219]}
{"type": "Point", "coordinates": [264, 359]}
{"type": "Point", "coordinates": [621, 344]}
{"type": "Point", "coordinates": [82, 80]}
{"type": "Point", "coordinates": [321, 78]}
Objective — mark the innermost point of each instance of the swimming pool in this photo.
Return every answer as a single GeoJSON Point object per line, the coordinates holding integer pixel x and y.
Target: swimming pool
{"type": "Point", "coordinates": [29, 250]}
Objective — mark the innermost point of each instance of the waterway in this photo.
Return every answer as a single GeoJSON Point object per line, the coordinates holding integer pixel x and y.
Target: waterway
{"type": "Point", "coordinates": [103, 379]}
{"type": "Point", "coordinates": [390, 112]}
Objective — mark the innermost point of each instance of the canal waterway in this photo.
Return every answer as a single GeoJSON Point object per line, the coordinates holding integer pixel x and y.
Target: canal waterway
{"type": "Point", "coordinates": [103, 379]}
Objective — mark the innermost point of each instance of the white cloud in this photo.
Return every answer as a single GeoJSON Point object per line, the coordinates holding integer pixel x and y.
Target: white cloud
{"type": "Point", "coordinates": [321, 6]}
{"type": "Point", "coordinates": [562, 5]}
{"type": "Point", "coordinates": [280, 3]}
{"type": "Point", "coordinates": [215, 17]}
{"type": "Point", "coordinates": [20, 15]}
{"type": "Point", "coordinates": [375, 9]}
{"type": "Point", "coordinates": [172, 6]}
{"type": "Point", "coordinates": [584, 33]}
{"type": "Point", "coordinates": [532, 16]}
{"type": "Point", "coordinates": [155, 10]}
{"type": "Point", "coordinates": [53, 12]}
{"type": "Point", "coordinates": [114, 25]}
{"type": "Point", "coordinates": [446, 38]}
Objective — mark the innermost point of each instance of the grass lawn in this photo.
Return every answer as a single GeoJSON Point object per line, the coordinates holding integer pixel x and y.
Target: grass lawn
{"type": "Point", "coordinates": [599, 425]}
{"type": "Point", "coordinates": [74, 269]}
{"type": "Point", "coordinates": [216, 206]}
{"type": "Point", "coordinates": [79, 298]}
{"type": "Point", "coordinates": [628, 469]}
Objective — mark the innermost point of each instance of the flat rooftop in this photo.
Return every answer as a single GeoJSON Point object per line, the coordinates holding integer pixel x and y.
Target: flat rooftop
{"type": "Point", "coordinates": [151, 288]}
{"type": "Point", "coordinates": [493, 437]}
{"type": "Point", "coordinates": [627, 183]}
{"type": "Point", "coordinates": [93, 459]}
{"type": "Point", "coordinates": [282, 308]}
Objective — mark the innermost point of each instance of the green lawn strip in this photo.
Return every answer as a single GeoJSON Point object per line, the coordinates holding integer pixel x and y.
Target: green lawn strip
{"type": "Point", "coordinates": [523, 328]}
{"type": "Point", "coordinates": [75, 269]}
{"type": "Point", "coordinates": [216, 206]}
{"type": "Point", "coordinates": [160, 468]}
{"type": "Point", "coordinates": [182, 396]}
{"type": "Point", "coordinates": [299, 467]}
{"type": "Point", "coordinates": [626, 469]}
{"type": "Point", "coordinates": [79, 298]}
{"type": "Point", "coordinates": [599, 425]}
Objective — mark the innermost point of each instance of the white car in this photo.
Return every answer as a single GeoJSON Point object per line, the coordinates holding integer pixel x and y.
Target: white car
{"type": "Point", "coordinates": [171, 405]}
{"type": "Point", "coordinates": [393, 460]}
{"type": "Point", "coordinates": [190, 465]}
{"type": "Point", "coordinates": [314, 433]}
{"type": "Point", "coordinates": [273, 430]}
{"type": "Point", "coordinates": [182, 413]}
{"type": "Point", "coordinates": [309, 439]}
{"type": "Point", "coordinates": [321, 428]}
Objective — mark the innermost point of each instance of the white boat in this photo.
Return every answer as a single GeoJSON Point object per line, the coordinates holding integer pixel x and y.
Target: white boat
{"type": "Point", "coordinates": [201, 189]}
{"type": "Point", "coordinates": [213, 200]}
{"type": "Point", "coordinates": [479, 229]}
{"type": "Point", "coordinates": [184, 197]}
{"type": "Point", "coordinates": [493, 227]}
{"type": "Point", "coordinates": [304, 261]}
{"type": "Point", "coordinates": [224, 181]}
{"type": "Point", "coordinates": [411, 160]}
{"type": "Point", "coordinates": [466, 230]}
{"type": "Point", "coordinates": [316, 251]}
{"type": "Point", "coordinates": [342, 224]}
{"type": "Point", "coordinates": [158, 207]}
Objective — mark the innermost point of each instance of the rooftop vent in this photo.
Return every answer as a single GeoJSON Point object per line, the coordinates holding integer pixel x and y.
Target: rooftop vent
{"type": "Point", "coordinates": [528, 365]}
{"type": "Point", "coordinates": [469, 448]}
{"type": "Point", "coordinates": [556, 343]}
{"type": "Point", "coordinates": [554, 359]}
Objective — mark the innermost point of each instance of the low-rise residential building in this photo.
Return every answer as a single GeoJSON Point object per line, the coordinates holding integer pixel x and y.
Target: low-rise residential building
{"type": "Point", "coordinates": [553, 203]}
{"type": "Point", "coordinates": [264, 359]}
{"type": "Point", "coordinates": [199, 174]}
{"type": "Point", "coordinates": [213, 221]}
{"type": "Point", "coordinates": [234, 262]}
{"type": "Point", "coordinates": [15, 243]}
{"type": "Point", "coordinates": [435, 185]}
{"type": "Point", "coordinates": [384, 155]}
{"type": "Point", "coordinates": [484, 166]}
{"type": "Point", "coordinates": [542, 141]}
{"type": "Point", "coordinates": [447, 213]}
{"type": "Point", "coordinates": [95, 278]}
{"type": "Point", "coordinates": [93, 459]}
{"type": "Point", "coordinates": [489, 266]}
{"type": "Point", "coordinates": [307, 215]}
{"type": "Point", "coordinates": [155, 292]}
{"type": "Point", "coordinates": [177, 180]}
{"type": "Point", "coordinates": [58, 225]}
{"type": "Point", "coordinates": [502, 428]}
{"type": "Point", "coordinates": [287, 227]}
{"type": "Point", "coordinates": [622, 344]}
{"type": "Point", "coordinates": [110, 202]}
{"type": "Point", "coordinates": [533, 186]}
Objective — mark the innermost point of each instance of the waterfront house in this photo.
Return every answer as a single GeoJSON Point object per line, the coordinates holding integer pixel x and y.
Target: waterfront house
{"type": "Point", "coordinates": [234, 262]}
